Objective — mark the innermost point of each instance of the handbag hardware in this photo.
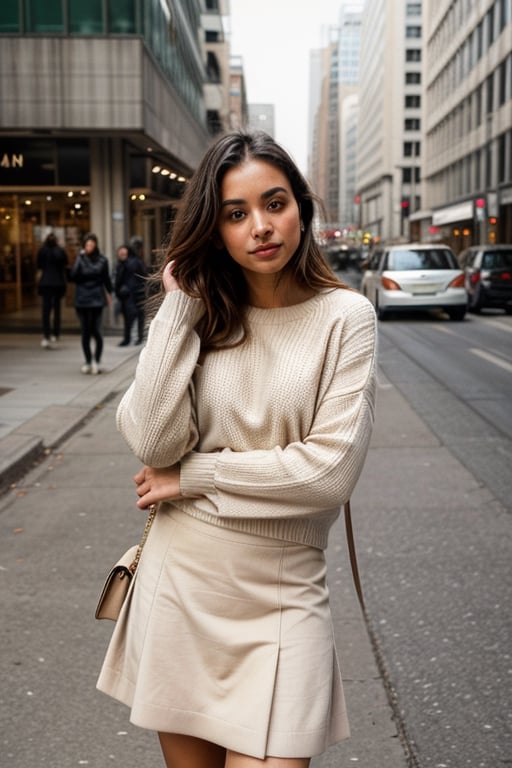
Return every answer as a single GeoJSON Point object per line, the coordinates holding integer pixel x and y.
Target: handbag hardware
{"type": "Point", "coordinates": [120, 576]}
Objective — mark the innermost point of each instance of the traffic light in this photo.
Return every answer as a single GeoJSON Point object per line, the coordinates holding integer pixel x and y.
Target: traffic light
{"type": "Point", "coordinates": [404, 205]}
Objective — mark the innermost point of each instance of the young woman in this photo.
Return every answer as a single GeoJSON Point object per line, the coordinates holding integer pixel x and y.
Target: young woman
{"type": "Point", "coordinates": [52, 262]}
{"type": "Point", "coordinates": [130, 289]}
{"type": "Point", "coordinates": [93, 289]}
{"type": "Point", "coordinates": [251, 411]}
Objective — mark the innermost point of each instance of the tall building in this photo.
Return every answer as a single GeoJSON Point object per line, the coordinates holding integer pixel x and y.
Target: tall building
{"type": "Point", "coordinates": [323, 168]}
{"type": "Point", "coordinates": [261, 117]}
{"type": "Point", "coordinates": [389, 128]}
{"type": "Point", "coordinates": [103, 118]}
{"type": "Point", "coordinates": [349, 45]}
{"type": "Point", "coordinates": [334, 73]}
{"type": "Point", "coordinates": [216, 56]}
{"type": "Point", "coordinates": [467, 163]}
{"type": "Point", "coordinates": [238, 109]}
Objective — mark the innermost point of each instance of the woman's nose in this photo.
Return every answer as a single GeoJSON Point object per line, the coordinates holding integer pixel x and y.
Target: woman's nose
{"type": "Point", "coordinates": [261, 225]}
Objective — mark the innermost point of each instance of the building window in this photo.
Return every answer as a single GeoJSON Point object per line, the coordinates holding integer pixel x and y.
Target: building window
{"type": "Point", "coordinates": [412, 101]}
{"type": "Point", "coordinates": [413, 54]}
{"type": "Point", "coordinates": [412, 31]}
{"type": "Point", "coordinates": [490, 26]}
{"type": "Point", "coordinates": [502, 167]}
{"type": "Point", "coordinates": [490, 93]}
{"type": "Point", "coordinates": [85, 17]}
{"type": "Point", "coordinates": [479, 105]}
{"type": "Point", "coordinates": [213, 68]}
{"type": "Point", "coordinates": [44, 17]}
{"type": "Point", "coordinates": [410, 148]}
{"type": "Point", "coordinates": [413, 9]}
{"type": "Point", "coordinates": [121, 17]}
{"type": "Point", "coordinates": [412, 124]}
{"type": "Point", "coordinates": [9, 16]}
{"type": "Point", "coordinates": [412, 78]}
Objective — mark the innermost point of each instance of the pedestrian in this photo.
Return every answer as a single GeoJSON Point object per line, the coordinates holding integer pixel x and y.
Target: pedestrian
{"type": "Point", "coordinates": [93, 290]}
{"type": "Point", "coordinates": [251, 410]}
{"type": "Point", "coordinates": [52, 262]}
{"type": "Point", "coordinates": [130, 289]}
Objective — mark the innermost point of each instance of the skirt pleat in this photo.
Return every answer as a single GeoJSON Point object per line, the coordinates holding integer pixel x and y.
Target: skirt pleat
{"type": "Point", "coordinates": [228, 637]}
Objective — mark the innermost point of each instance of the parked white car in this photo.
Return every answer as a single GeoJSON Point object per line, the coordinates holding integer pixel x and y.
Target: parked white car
{"type": "Point", "coordinates": [415, 276]}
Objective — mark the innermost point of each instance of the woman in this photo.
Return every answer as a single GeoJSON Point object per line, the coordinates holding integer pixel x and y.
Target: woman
{"type": "Point", "coordinates": [91, 274]}
{"type": "Point", "coordinates": [130, 289]}
{"type": "Point", "coordinates": [52, 263]}
{"type": "Point", "coordinates": [251, 410]}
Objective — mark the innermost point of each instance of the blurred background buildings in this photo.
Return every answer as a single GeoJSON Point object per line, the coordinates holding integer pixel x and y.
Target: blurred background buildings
{"type": "Point", "coordinates": [106, 107]}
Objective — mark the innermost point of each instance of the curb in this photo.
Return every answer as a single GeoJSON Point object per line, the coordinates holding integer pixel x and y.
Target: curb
{"type": "Point", "coordinates": [46, 431]}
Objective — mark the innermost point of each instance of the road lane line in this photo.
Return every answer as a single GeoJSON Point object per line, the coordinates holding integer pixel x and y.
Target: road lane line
{"type": "Point", "coordinates": [497, 324]}
{"type": "Point", "coordinates": [492, 359]}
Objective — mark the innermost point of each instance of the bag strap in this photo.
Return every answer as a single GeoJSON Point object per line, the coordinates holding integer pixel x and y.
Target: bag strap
{"type": "Point", "coordinates": [149, 522]}
{"type": "Point", "coordinates": [353, 555]}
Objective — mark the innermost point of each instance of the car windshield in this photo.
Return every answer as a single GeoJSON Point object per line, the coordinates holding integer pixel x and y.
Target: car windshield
{"type": "Point", "coordinates": [435, 258]}
{"type": "Point", "coordinates": [497, 260]}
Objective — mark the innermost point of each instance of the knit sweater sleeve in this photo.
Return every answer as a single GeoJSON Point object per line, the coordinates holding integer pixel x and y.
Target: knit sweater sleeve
{"type": "Point", "coordinates": [156, 415]}
{"type": "Point", "coordinates": [315, 474]}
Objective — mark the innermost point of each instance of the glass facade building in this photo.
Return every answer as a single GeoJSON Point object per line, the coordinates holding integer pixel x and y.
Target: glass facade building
{"type": "Point", "coordinates": [102, 120]}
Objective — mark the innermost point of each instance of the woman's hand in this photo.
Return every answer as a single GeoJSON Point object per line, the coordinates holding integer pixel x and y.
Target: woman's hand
{"type": "Point", "coordinates": [168, 279]}
{"type": "Point", "coordinates": [154, 485]}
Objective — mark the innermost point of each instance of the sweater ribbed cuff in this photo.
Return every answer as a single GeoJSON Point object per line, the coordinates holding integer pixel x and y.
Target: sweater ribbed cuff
{"type": "Point", "coordinates": [197, 474]}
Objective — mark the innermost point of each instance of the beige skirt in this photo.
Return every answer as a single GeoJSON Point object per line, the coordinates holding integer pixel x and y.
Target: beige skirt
{"type": "Point", "coordinates": [228, 637]}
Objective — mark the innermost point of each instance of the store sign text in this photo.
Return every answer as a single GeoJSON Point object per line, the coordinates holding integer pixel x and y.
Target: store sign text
{"type": "Point", "coordinates": [11, 161]}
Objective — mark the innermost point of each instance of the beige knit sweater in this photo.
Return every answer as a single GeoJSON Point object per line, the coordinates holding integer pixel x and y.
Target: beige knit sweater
{"type": "Point", "coordinates": [271, 435]}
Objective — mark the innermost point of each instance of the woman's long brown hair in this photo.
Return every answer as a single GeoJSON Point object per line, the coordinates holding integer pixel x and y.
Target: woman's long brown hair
{"type": "Point", "coordinates": [205, 271]}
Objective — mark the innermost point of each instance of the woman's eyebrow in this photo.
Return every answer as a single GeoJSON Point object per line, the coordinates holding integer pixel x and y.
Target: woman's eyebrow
{"type": "Point", "coordinates": [264, 196]}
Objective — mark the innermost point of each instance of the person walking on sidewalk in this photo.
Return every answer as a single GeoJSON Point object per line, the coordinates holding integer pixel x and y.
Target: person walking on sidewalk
{"type": "Point", "coordinates": [251, 410]}
{"type": "Point", "coordinates": [52, 262]}
{"type": "Point", "coordinates": [130, 289]}
{"type": "Point", "coordinates": [93, 289]}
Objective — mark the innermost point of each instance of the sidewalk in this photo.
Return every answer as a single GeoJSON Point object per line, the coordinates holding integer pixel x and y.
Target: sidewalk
{"type": "Point", "coordinates": [44, 405]}
{"type": "Point", "coordinates": [44, 397]}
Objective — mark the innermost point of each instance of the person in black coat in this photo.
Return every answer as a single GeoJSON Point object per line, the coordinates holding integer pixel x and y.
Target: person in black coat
{"type": "Point", "coordinates": [130, 289]}
{"type": "Point", "coordinates": [52, 261]}
{"type": "Point", "coordinates": [93, 289]}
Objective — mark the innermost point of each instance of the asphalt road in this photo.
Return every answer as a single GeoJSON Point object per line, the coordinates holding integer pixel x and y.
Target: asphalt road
{"type": "Point", "coordinates": [440, 603]}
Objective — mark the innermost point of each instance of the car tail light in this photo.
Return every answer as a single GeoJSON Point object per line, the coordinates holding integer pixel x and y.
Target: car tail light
{"type": "Point", "coordinates": [389, 284]}
{"type": "Point", "coordinates": [506, 275]}
{"type": "Point", "coordinates": [474, 278]}
{"type": "Point", "coordinates": [457, 282]}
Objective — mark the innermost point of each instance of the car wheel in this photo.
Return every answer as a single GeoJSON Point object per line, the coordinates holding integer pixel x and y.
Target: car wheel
{"type": "Point", "coordinates": [381, 313]}
{"type": "Point", "coordinates": [474, 303]}
{"type": "Point", "coordinates": [457, 314]}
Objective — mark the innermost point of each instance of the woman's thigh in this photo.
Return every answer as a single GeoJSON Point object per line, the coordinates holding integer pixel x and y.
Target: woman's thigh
{"type": "Point", "coordinates": [189, 752]}
{"type": "Point", "coordinates": [236, 760]}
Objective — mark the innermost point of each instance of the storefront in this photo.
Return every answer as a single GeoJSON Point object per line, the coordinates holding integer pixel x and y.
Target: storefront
{"type": "Point", "coordinates": [73, 186]}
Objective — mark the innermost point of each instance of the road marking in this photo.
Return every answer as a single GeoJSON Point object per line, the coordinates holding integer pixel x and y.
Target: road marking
{"type": "Point", "coordinates": [497, 324]}
{"type": "Point", "coordinates": [492, 359]}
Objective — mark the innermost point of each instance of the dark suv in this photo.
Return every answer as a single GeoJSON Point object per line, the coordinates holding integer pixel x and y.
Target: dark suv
{"type": "Point", "coordinates": [488, 276]}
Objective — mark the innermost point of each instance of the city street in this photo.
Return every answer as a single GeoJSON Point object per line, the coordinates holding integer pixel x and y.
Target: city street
{"type": "Point", "coordinates": [433, 525]}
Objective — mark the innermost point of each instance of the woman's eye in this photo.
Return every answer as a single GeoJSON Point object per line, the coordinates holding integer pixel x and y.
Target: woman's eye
{"type": "Point", "coordinates": [236, 215]}
{"type": "Point", "coordinates": [274, 205]}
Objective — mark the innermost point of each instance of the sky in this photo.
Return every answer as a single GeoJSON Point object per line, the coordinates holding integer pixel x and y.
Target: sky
{"type": "Point", "coordinates": [274, 39]}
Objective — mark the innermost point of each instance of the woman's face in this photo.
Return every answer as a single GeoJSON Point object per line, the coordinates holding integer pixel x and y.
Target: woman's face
{"type": "Point", "coordinates": [89, 246]}
{"type": "Point", "coordinates": [259, 220]}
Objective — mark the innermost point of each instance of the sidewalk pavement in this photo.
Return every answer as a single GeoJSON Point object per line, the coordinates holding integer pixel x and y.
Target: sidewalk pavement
{"type": "Point", "coordinates": [44, 397]}
{"type": "Point", "coordinates": [65, 520]}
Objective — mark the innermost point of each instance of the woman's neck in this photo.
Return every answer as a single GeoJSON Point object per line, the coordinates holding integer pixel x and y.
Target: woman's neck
{"type": "Point", "coordinates": [273, 291]}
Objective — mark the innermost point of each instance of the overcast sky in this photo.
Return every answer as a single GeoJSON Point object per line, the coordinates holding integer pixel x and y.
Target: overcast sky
{"type": "Point", "coordinates": [274, 38]}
